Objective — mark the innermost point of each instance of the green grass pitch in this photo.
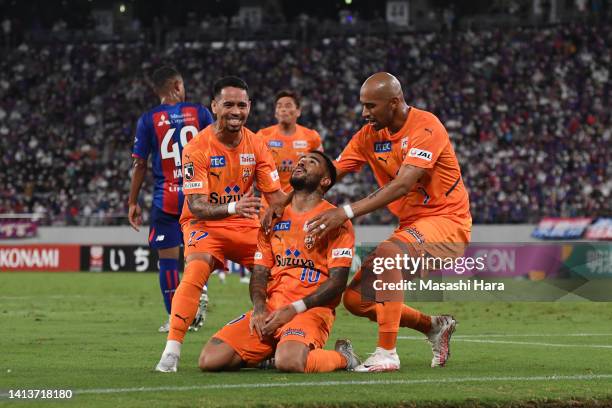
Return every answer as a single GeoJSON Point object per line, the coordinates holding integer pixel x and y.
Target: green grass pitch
{"type": "Point", "coordinates": [96, 334]}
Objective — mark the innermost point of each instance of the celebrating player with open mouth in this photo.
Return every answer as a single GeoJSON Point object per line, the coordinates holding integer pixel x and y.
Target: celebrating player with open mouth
{"type": "Point", "coordinates": [219, 218]}
{"type": "Point", "coordinates": [420, 181]}
{"type": "Point", "coordinates": [295, 287]}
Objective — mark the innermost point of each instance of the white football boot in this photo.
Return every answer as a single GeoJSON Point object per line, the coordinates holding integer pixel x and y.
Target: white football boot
{"type": "Point", "coordinates": [381, 360]}
{"type": "Point", "coordinates": [442, 328]}
{"type": "Point", "coordinates": [200, 317]}
{"type": "Point", "coordinates": [165, 328]}
{"type": "Point", "coordinates": [168, 363]}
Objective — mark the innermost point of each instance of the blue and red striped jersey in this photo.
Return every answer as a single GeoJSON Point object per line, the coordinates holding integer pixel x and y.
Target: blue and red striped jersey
{"type": "Point", "coordinates": [162, 133]}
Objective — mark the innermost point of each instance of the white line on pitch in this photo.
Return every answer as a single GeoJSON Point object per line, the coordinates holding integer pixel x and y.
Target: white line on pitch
{"type": "Point", "coordinates": [354, 382]}
{"type": "Point", "coordinates": [523, 343]}
{"type": "Point", "coordinates": [479, 336]}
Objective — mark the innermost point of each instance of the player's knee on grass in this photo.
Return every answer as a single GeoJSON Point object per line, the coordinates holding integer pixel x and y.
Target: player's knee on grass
{"type": "Point", "coordinates": [291, 357]}
{"type": "Point", "coordinates": [218, 356]}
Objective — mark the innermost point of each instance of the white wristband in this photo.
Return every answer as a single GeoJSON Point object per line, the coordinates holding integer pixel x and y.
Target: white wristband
{"type": "Point", "coordinates": [348, 211]}
{"type": "Point", "coordinates": [299, 306]}
{"type": "Point", "coordinates": [231, 208]}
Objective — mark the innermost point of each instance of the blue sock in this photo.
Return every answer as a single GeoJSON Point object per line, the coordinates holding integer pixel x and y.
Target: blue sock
{"type": "Point", "coordinates": [168, 280]}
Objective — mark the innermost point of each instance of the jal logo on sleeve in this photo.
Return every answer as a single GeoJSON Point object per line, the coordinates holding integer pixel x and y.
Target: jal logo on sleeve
{"type": "Point", "coordinates": [420, 154]}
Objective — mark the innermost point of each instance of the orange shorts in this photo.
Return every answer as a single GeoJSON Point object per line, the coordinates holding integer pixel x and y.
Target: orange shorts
{"type": "Point", "coordinates": [237, 243]}
{"type": "Point", "coordinates": [311, 328]}
{"type": "Point", "coordinates": [437, 236]}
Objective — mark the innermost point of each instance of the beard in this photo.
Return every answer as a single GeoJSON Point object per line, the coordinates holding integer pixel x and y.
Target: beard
{"type": "Point", "coordinates": [304, 183]}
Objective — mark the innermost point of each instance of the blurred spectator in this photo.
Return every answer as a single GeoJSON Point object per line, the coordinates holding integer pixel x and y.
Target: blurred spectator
{"type": "Point", "coordinates": [527, 110]}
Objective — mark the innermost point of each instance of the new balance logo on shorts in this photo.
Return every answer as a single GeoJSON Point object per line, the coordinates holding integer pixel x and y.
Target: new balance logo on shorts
{"type": "Point", "coordinates": [294, 332]}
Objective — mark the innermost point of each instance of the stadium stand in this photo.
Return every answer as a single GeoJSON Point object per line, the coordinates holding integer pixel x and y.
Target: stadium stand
{"type": "Point", "coordinates": [527, 110]}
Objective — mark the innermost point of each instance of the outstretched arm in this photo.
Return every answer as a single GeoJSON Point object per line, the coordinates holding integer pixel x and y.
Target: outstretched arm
{"type": "Point", "coordinates": [329, 220]}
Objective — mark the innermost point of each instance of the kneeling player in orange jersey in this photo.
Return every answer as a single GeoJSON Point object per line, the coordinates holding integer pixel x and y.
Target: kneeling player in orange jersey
{"type": "Point", "coordinates": [295, 287]}
{"type": "Point", "coordinates": [219, 218]}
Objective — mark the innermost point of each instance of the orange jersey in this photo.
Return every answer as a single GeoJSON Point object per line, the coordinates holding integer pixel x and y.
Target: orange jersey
{"type": "Point", "coordinates": [421, 142]}
{"type": "Point", "coordinates": [287, 150]}
{"type": "Point", "coordinates": [297, 266]}
{"type": "Point", "coordinates": [225, 174]}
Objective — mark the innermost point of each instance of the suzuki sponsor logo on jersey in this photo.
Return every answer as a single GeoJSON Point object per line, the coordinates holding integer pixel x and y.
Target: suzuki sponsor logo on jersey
{"type": "Point", "coordinates": [217, 161]}
{"type": "Point", "coordinates": [300, 144]}
{"type": "Point", "coordinates": [382, 147]}
{"type": "Point", "coordinates": [247, 159]}
{"type": "Point", "coordinates": [291, 257]}
{"type": "Point", "coordinates": [188, 171]}
{"type": "Point", "coordinates": [232, 194]}
{"type": "Point", "coordinates": [274, 175]}
{"type": "Point", "coordinates": [342, 253]}
{"type": "Point", "coordinates": [282, 226]}
{"type": "Point", "coordinates": [189, 185]}
{"type": "Point", "coordinates": [420, 154]}
{"type": "Point", "coordinates": [275, 143]}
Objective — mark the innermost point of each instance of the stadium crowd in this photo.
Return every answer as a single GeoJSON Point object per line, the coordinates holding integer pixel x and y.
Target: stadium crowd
{"type": "Point", "coordinates": [527, 110]}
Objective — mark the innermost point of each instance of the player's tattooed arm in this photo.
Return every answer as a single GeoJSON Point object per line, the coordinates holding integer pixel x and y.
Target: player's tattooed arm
{"type": "Point", "coordinates": [200, 207]}
{"type": "Point", "coordinates": [258, 287]}
{"type": "Point", "coordinates": [330, 289]}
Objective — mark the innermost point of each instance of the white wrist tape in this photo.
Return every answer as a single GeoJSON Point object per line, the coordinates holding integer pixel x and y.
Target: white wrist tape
{"type": "Point", "coordinates": [348, 211]}
{"type": "Point", "coordinates": [231, 208]}
{"type": "Point", "coordinates": [299, 306]}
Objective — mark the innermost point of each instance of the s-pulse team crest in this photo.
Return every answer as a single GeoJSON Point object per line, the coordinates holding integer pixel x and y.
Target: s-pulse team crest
{"type": "Point", "coordinates": [188, 171]}
{"type": "Point", "coordinates": [246, 173]}
{"type": "Point", "coordinates": [309, 242]}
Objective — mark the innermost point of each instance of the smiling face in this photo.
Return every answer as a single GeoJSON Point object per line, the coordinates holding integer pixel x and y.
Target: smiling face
{"type": "Point", "coordinates": [232, 107]}
{"type": "Point", "coordinates": [310, 173]}
{"type": "Point", "coordinates": [287, 112]}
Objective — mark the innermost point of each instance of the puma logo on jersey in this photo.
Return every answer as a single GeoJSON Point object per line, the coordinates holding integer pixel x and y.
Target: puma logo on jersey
{"type": "Point", "coordinates": [383, 160]}
{"type": "Point", "coordinates": [217, 175]}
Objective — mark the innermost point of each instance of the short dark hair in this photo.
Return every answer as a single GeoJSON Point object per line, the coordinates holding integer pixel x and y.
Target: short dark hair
{"type": "Point", "coordinates": [228, 81]}
{"type": "Point", "coordinates": [290, 94]}
{"type": "Point", "coordinates": [331, 169]}
{"type": "Point", "coordinates": [162, 75]}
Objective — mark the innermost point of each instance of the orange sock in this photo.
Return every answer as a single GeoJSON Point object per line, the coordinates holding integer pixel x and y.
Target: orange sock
{"type": "Point", "coordinates": [388, 315]}
{"type": "Point", "coordinates": [416, 320]}
{"type": "Point", "coordinates": [187, 298]}
{"type": "Point", "coordinates": [324, 361]}
{"type": "Point", "coordinates": [354, 304]}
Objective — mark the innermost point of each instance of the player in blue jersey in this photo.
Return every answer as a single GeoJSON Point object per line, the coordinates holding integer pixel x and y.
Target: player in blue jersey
{"type": "Point", "coordinates": [162, 133]}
